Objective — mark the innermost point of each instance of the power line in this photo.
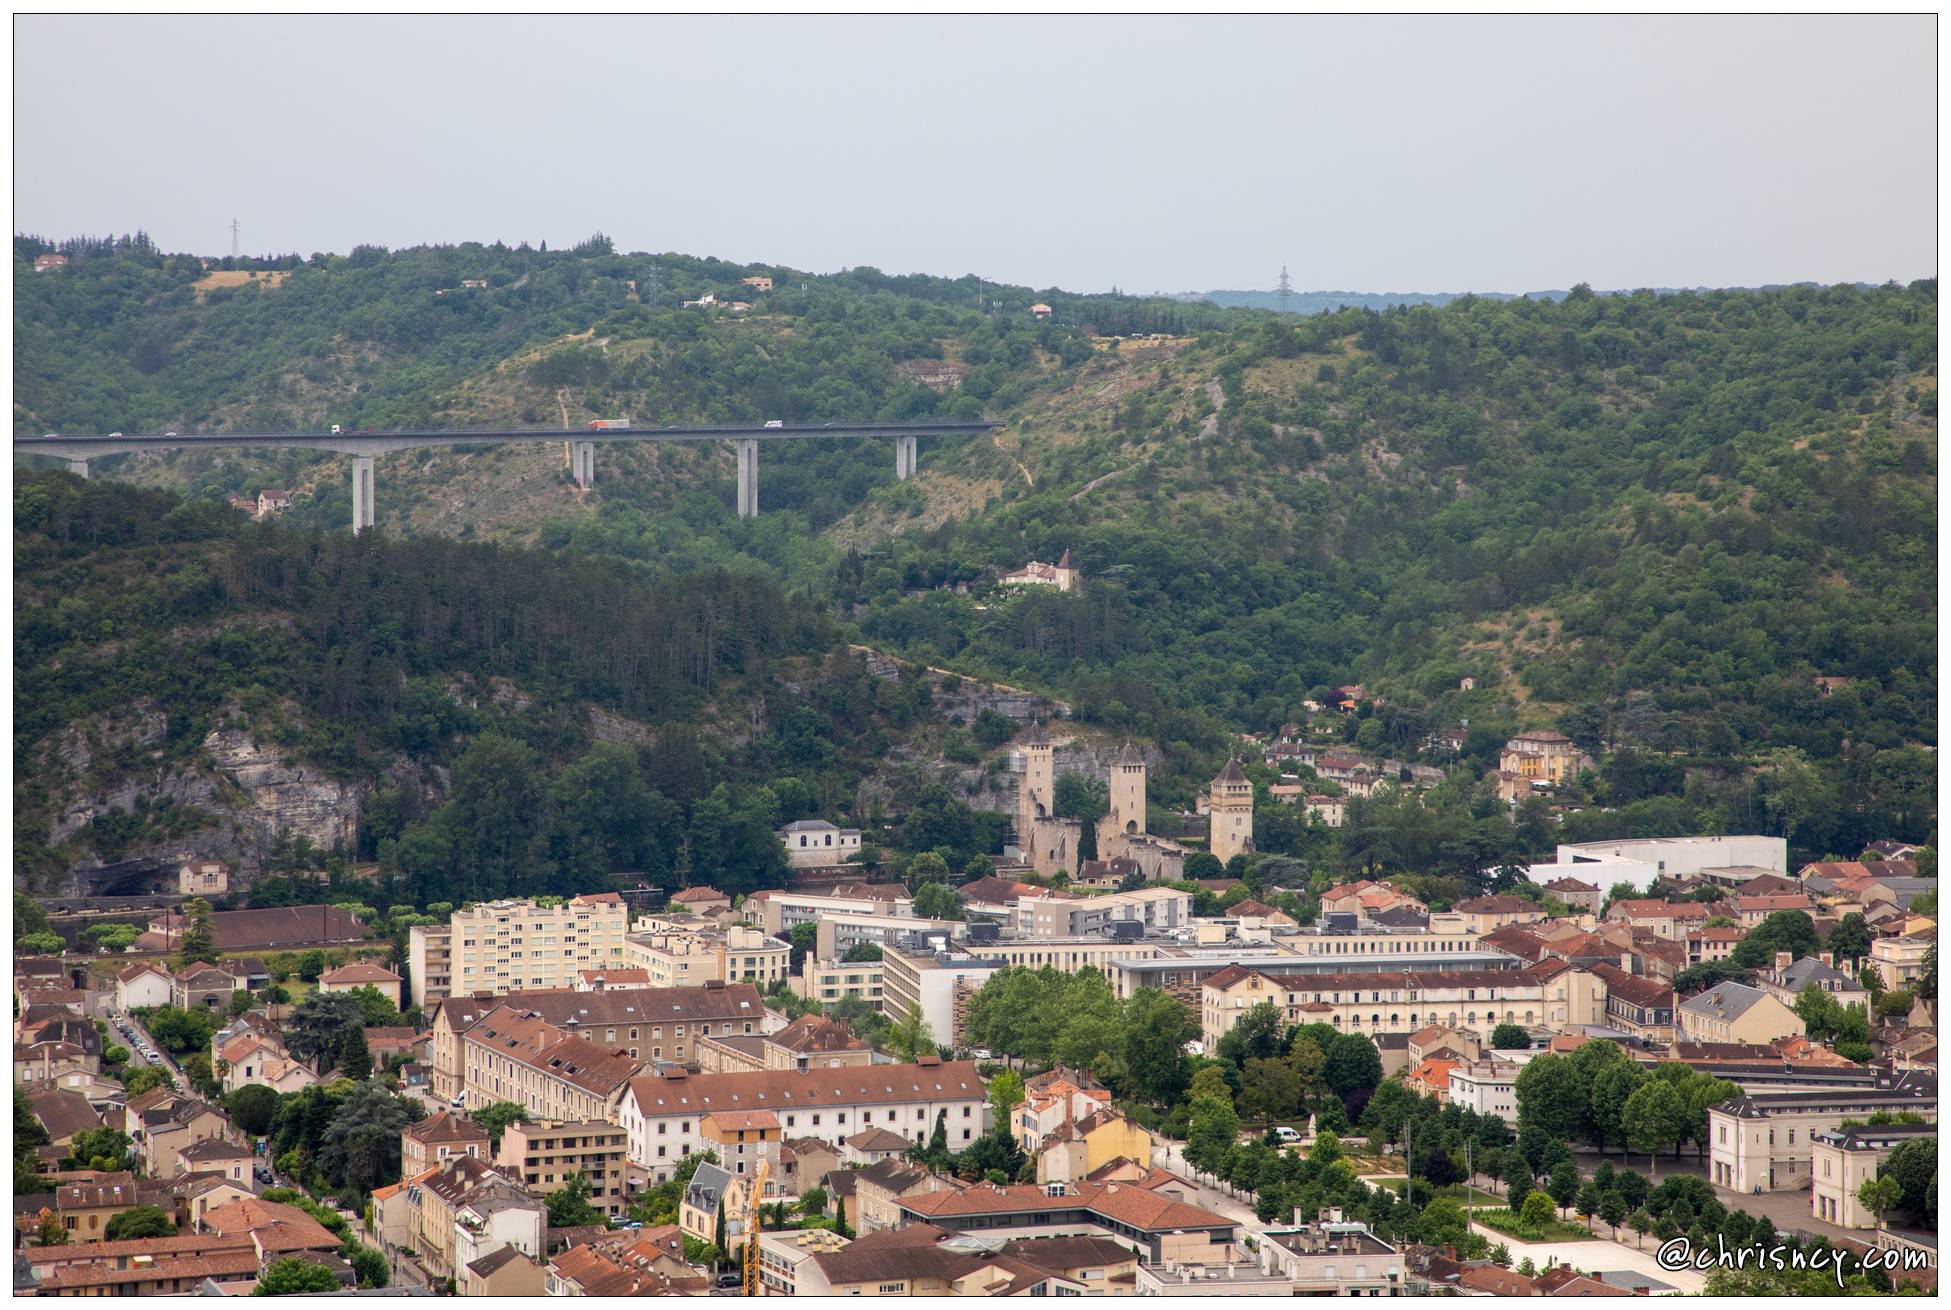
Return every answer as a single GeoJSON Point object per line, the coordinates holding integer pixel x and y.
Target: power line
{"type": "Point", "coordinates": [233, 238]}
{"type": "Point", "coordinates": [1284, 288]}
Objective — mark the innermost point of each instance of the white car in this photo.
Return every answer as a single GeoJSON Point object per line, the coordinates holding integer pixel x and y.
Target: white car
{"type": "Point", "coordinates": [774, 423]}
{"type": "Point", "coordinates": [115, 434]}
{"type": "Point", "coordinates": [1282, 1133]}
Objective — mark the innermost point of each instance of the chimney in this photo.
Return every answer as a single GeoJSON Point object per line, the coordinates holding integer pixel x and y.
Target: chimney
{"type": "Point", "coordinates": [1783, 959]}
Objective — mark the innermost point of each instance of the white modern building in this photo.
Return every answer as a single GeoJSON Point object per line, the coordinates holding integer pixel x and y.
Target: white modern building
{"type": "Point", "coordinates": [1639, 862]}
{"type": "Point", "coordinates": [1487, 1088]}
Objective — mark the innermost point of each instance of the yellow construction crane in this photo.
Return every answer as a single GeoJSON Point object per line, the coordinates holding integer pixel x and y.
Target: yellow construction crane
{"type": "Point", "coordinates": [754, 1208]}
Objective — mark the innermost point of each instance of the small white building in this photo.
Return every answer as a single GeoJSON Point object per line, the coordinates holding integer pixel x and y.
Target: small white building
{"type": "Point", "coordinates": [142, 985]}
{"type": "Point", "coordinates": [1487, 1088]}
{"type": "Point", "coordinates": [202, 877]}
{"type": "Point", "coordinates": [814, 843]}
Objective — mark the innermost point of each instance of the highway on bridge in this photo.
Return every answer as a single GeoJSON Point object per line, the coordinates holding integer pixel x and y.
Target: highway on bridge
{"type": "Point", "coordinates": [580, 443]}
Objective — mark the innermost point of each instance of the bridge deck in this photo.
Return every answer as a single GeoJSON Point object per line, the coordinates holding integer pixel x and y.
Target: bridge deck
{"type": "Point", "coordinates": [67, 446]}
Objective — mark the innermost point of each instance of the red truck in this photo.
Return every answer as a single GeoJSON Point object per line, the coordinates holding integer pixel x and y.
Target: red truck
{"type": "Point", "coordinates": [597, 424]}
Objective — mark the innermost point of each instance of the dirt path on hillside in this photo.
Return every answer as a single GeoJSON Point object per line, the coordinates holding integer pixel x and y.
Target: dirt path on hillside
{"type": "Point", "coordinates": [998, 441]}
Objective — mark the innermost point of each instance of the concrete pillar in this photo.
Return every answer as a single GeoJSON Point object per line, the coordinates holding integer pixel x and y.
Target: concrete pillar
{"type": "Point", "coordinates": [904, 457]}
{"type": "Point", "coordinates": [78, 467]}
{"type": "Point", "coordinates": [748, 477]}
{"type": "Point", "coordinates": [362, 493]}
{"type": "Point", "coordinates": [582, 464]}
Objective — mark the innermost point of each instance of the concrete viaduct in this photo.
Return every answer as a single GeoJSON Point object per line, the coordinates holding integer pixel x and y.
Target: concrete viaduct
{"type": "Point", "coordinates": [579, 443]}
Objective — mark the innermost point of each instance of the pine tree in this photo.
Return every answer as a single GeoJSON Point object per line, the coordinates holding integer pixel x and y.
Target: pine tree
{"type": "Point", "coordinates": [199, 942]}
{"type": "Point", "coordinates": [354, 1059]}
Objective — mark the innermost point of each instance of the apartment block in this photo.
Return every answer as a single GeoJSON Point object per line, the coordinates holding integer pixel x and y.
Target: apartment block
{"type": "Point", "coordinates": [508, 946]}
{"type": "Point", "coordinates": [545, 1155]}
{"type": "Point", "coordinates": [429, 963]}
{"type": "Point", "coordinates": [828, 983]}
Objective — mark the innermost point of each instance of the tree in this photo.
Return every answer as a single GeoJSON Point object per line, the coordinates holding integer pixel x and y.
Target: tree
{"type": "Point", "coordinates": [1270, 1089]}
{"type": "Point", "coordinates": [113, 937]}
{"type": "Point", "coordinates": [1351, 1064]}
{"type": "Point", "coordinates": [1880, 1195]}
{"type": "Point", "coordinates": [1510, 1037]}
{"type": "Point", "coordinates": [1588, 1202]}
{"type": "Point", "coordinates": [1005, 1094]}
{"type": "Point", "coordinates": [1784, 930]}
{"type": "Point", "coordinates": [1211, 1133]}
{"type": "Point", "coordinates": [1849, 939]}
{"type": "Point", "coordinates": [1256, 1034]}
{"type": "Point", "coordinates": [925, 868]}
{"type": "Point", "coordinates": [146, 1079]}
{"type": "Point", "coordinates": [320, 1026]}
{"type": "Point", "coordinates": [140, 1221]}
{"type": "Point", "coordinates": [910, 1038]}
{"type": "Point", "coordinates": [1550, 1097]}
{"type": "Point", "coordinates": [51, 1231]}
{"type": "Point", "coordinates": [496, 1117]}
{"type": "Point", "coordinates": [1156, 1028]}
{"type": "Point", "coordinates": [1819, 1012]}
{"type": "Point", "coordinates": [355, 1061]}
{"type": "Point", "coordinates": [360, 1148]}
{"type": "Point", "coordinates": [292, 1276]}
{"type": "Point", "coordinates": [862, 953]}
{"type": "Point", "coordinates": [1914, 1165]}
{"type": "Point", "coordinates": [253, 1109]}
{"type": "Point", "coordinates": [1537, 1214]}
{"type": "Point", "coordinates": [1612, 1209]}
{"type": "Point", "coordinates": [198, 944]}
{"type": "Point", "coordinates": [104, 1149]}
{"type": "Point", "coordinates": [569, 1205]}
{"type": "Point", "coordinates": [1611, 1088]}
{"type": "Point", "coordinates": [935, 900]}
{"type": "Point", "coordinates": [804, 937]}
{"type": "Point", "coordinates": [1653, 1116]}
{"type": "Point", "coordinates": [370, 1266]}
{"type": "Point", "coordinates": [40, 943]}
{"type": "Point", "coordinates": [1208, 1080]}
{"type": "Point", "coordinates": [1563, 1184]}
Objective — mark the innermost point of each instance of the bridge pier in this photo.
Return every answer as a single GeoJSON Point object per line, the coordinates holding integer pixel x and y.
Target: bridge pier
{"type": "Point", "coordinates": [748, 477]}
{"type": "Point", "coordinates": [582, 463]}
{"type": "Point", "coordinates": [78, 467]}
{"type": "Point", "coordinates": [904, 457]}
{"type": "Point", "coordinates": [362, 493]}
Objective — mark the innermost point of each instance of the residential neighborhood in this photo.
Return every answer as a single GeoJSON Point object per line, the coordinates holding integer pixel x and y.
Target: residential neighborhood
{"type": "Point", "coordinates": [847, 1081]}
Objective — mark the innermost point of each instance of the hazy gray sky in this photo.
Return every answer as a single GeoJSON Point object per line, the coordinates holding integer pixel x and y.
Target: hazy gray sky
{"type": "Point", "coordinates": [1367, 154]}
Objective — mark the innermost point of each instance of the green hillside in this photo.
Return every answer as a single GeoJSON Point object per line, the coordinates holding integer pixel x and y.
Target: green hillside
{"type": "Point", "coordinates": [1649, 521]}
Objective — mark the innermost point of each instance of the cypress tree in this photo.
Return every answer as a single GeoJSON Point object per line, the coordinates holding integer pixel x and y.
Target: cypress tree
{"type": "Point", "coordinates": [354, 1059]}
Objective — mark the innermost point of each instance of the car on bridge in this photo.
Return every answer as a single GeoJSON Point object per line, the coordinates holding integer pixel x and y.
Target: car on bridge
{"type": "Point", "coordinates": [774, 423]}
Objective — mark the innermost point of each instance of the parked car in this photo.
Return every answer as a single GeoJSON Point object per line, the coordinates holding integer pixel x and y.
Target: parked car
{"type": "Point", "coordinates": [1282, 1133]}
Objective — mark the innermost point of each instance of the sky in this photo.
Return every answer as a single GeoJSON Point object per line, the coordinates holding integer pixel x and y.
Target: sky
{"type": "Point", "coordinates": [1363, 154]}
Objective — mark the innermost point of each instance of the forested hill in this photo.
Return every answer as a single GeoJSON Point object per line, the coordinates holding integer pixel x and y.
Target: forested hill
{"type": "Point", "coordinates": [1651, 521]}
{"type": "Point", "coordinates": [481, 720]}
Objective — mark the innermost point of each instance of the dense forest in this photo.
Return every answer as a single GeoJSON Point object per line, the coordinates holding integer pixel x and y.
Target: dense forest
{"type": "Point", "coordinates": [367, 657]}
{"type": "Point", "coordinates": [1652, 521]}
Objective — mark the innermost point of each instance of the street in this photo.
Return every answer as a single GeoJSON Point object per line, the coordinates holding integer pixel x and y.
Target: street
{"type": "Point", "coordinates": [1169, 1155]}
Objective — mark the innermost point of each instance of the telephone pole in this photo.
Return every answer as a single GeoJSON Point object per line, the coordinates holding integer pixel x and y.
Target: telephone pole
{"type": "Point", "coordinates": [233, 238]}
{"type": "Point", "coordinates": [1284, 288]}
